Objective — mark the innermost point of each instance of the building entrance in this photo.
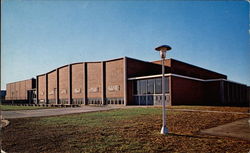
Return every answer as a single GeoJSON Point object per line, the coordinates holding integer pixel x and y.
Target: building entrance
{"type": "Point", "coordinates": [154, 99]}
{"type": "Point", "coordinates": [31, 96]}
{"type": "Point", "coordinates": [149, 91]}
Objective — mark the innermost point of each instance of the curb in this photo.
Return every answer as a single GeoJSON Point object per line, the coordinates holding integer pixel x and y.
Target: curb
{"type": "Point", "coordinates": [3, 151]}
{"type": "Point", "coordinates": [4, 123]}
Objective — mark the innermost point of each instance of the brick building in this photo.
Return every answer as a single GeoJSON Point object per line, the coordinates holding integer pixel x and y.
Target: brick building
{"type": "Point", "coordinates": [21, 91]}
{"type": "Point", "coordinates": [128, 81]}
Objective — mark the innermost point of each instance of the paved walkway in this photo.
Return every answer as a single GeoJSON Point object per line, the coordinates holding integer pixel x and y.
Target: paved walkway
{"type": "Point", "coordinates": [83, 109]}
{"type": "Point", "coordinates": [52, 112]}
{"type": "Point", "coordinates": [239, 129]}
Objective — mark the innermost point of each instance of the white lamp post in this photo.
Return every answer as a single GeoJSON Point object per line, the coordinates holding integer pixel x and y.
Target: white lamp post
{"type": "Point", "coordinates": [163, 49]}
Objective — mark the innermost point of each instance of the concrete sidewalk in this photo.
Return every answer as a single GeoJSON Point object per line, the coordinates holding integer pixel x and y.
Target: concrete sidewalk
{"type": "Point", "coordinates": [84, 109]}
{"type": "Point", "coordinates": [238, 129]}
{"type": "Point", "coordinates": [53, 112]}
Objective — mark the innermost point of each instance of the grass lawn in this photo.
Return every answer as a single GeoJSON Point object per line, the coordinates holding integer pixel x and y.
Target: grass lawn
{"type": "Point", "coordinates": [122, 130]}
{"type": "Point", "coordinates": [13, 107]}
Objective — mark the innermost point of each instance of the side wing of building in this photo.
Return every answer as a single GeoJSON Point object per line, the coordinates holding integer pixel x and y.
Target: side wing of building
{"type": "Point", "coordinates": [19, 91]}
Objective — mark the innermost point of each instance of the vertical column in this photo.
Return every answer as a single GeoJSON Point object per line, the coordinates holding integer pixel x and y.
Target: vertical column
{"type": "Point", "coordinates": [57, 86]}
{"type": "Point", "coordinates": [125, 80]}
{"type": "Point", "coordinates": [46, 88]}
{"type": "Point", "coordinates": [69, 86]}
{"type": "Point", "coordinates": [85, 84]}
{"type": "Point", "coordinates": [103, 83]}
{"type": "Point", "coordinates": [37, 91]}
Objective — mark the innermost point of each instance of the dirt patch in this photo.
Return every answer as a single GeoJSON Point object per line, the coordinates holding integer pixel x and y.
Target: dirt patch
{"type": "Point", "coordinates": [214, 108]}
{"type": "Point", "coordinates": [119, 131]}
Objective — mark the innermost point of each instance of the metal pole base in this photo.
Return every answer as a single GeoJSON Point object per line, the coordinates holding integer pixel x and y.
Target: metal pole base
{"type": "Point", "coordinates": [164, 130]}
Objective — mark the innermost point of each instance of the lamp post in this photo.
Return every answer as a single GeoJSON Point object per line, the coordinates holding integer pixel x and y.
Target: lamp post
{"type": "Point", "coordinates": [163, 49]}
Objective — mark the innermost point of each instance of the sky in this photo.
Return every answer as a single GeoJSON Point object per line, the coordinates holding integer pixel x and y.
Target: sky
{"type": "Point", "coordinates": [41, 35]}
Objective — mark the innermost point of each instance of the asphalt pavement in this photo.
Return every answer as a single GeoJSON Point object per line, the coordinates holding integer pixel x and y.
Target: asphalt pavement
{"type": "Point", "coordinates": [53, 112]}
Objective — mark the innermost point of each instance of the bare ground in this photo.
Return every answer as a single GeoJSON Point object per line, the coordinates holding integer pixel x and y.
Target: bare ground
{"type": "Point", "coordinates": [124, 130]}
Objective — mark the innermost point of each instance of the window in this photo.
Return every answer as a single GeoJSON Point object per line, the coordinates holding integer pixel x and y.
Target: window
{"type": "Point", "coordinates": [166, 84]}
{"type": "Point", "coordinates": [158, 86]}
{"type": "Point", "coordinates": [136, 87]}
{"type": "Point", "coordinates": [150, 86]}
{"type": "Point", "coordinates": [143, 86]}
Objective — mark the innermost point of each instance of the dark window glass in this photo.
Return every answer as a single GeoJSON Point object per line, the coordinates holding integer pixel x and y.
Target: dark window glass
{"type": "Point", "coordinates": [143, 86]}
{"type": "Point", "coordinates": [136, 87]}
{"type": "Point", "coordinates": [166, 84]}
{"type": "Point", "coordinates": [150, 86]}
{"type": "Point", "coordinates": [158, 86]}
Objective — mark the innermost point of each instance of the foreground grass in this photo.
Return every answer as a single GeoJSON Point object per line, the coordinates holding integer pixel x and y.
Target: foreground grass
{"type": "Point", "coordinates": [13, 107]}
{"type": "Point", "coordinates": [123, 130]}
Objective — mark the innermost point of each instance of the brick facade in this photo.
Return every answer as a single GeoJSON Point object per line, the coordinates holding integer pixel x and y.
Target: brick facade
{"type": "Point", "coordinates": [94, 77]}
{"type": "Point", "coordinates": [64, 85]}
{"type": "Point", "coordinates": [41, 94]}
{"type": "Point", "coordinates": [78, 81]}
{"type": "Point", "coordinates": [178, 67]}
{"type": "Point", "coordinates": [109, 82]}
{"type": "Point", "coordinates": [18, 90]}
{"type": "Point", "coordinates": [114, 79]}
{"type": "Point", "coordinates": [187, 91]}
{"type": "Point", "coordinates": [52, 86]}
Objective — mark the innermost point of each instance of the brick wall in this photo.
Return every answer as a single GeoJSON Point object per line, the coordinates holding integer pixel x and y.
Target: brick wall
{"type": "Point", "coordinates": [167, 62]}
{"type": "Point", "coordinates": [186, 91]}
{"type": "Point", "coordinates": [77, 81]}
{"type": "Point", "coordinates": [94, 83]}
{"type": "Point", "coordinates": [18, 90]}
{"type": "Point", "coordinates": [212, 90]}
{"type": "Point", "coordinates": [13, 91]}
{"type": "Point", "coordinates": [63, 82]}
{"type": "Point", "coordinates": [8, 92]}
{"type": "Point", "coordinates": [41, 87]}
{"type": "Point", "coordinates": [52, 85]}
{"type": "Point", "coordinates": [23, 91]}
{"type": "Point", "coordinates": [186, 69]}
{"type": "Point", "coordinates": [140, 68]}
{"type": "Point", "coordinates": [114, 79]}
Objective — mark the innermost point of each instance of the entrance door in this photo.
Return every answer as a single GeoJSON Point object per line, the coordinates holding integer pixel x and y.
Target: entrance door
{"type": "Point", "coordinates": [158, 99]}
{"type": "Point", "coordinates": [150, 99]}
{"type": "Point", "coordinates": [30, 96]}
